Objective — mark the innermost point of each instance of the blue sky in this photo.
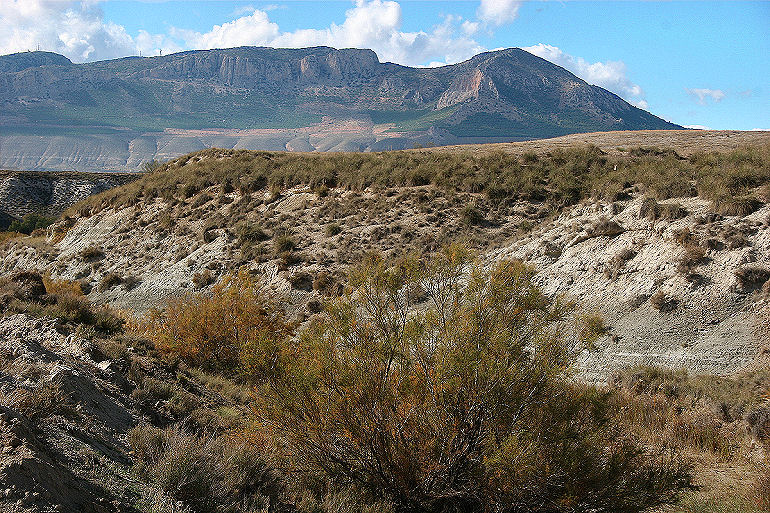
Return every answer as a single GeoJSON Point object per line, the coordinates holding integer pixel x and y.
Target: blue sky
{"type": "Point", "coordinates": [694, 63]}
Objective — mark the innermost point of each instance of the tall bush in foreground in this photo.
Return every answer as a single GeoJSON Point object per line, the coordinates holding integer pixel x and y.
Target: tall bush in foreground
{"type": "Point", "coordinates": [464, 405]}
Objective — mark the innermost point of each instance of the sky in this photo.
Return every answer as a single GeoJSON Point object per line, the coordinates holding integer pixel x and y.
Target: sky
{"type": "Point", "coordinates": [698, 64]}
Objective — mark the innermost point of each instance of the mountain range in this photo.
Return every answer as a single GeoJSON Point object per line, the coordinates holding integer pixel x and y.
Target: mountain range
{"type": "Point", "coordinates": [117, 114]}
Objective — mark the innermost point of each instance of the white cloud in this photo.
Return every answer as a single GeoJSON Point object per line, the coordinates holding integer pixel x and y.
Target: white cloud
{"type": "Point", "coordinates": [703, 95]}
{"type": "Point", "coordinates": [610, 75]}
{"type": "Point", "coordinates": [760, 130]}
{"type": "Point", "coordinates": [254, 29]}
{"type": "Point", "coordinates": [498, 12]}
{"type": "Point", "coordinates": [74, 29]}
{"type": "Point", "coordinates": [470, 27]}
{"type": "Point", "coordinates": [374, 24]}
{"type": "Point", "coordinates": [698, 127]}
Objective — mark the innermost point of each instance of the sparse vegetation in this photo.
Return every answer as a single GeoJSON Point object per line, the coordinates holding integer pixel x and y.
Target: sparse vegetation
{"type": "Point", "coordinates": [561, 177]}
{"type": "Point", "coordinates": [91, 253]}
{"type": "Point", "coordinates": [663, 302]}
{"type": "Point", "coordinates": [591, 326]}
{"type": "Point", "coordinates": [332, 229]}
{"type": "Point", "coordinates": [207, 474]}
{"type": "Point", "coordinates": [284, 243]}
{"type": "Point", "coordinates": [32, 293]}
{"type": "Point", "coordinates": [109, 280]}
{"type": "Point", "coordinates": [427, 384]}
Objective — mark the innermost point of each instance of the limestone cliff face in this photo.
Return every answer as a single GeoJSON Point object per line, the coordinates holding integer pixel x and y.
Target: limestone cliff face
{"type": "Point", "coordinates": [114, 115]}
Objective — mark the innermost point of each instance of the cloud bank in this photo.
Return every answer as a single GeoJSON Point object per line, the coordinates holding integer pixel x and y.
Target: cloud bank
{"type": "Point", "coordinates": [704, 95]}
{"type": "Point", "coordinates": [610, 75]}
{"type": "Point", "coordinates": [75, 29]}
{"type": "Point", "coordinates": [498, 12]}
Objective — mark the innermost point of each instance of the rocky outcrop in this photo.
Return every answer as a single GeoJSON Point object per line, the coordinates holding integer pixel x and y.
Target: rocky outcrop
{"type": "Point", "coordinates": [23, 193]}
{"type": "Point", "coordinates": [661, 306]}
{"type": "Point", "coordinates": [44, 464]}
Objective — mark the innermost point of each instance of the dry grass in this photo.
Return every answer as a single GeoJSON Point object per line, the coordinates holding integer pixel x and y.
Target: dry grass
{"type": "Point", "coordinates": [559, 177]}
{"type": "Point", "coordinates": [709, 420]}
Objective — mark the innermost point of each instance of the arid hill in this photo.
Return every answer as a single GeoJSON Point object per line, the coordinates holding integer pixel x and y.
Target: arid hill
{"type": "Point", "coordinates": [660, 239]}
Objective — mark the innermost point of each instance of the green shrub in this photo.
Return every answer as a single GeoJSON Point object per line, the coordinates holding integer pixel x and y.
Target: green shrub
{"type": "Point", "coordinates": [250, 233]}
{"type": "Point", "coordinates": [284, 242]}
{"type": "Point", "coordinates": [471, 215]}
{"type": "Point", "coordinates": [31, 222]}
{"type": "Point", "coordinates": [465, 405]}
{"type": "Point", "coordinates": [151, 166]}
{"type": "Point", "coordinates": [736, 205]}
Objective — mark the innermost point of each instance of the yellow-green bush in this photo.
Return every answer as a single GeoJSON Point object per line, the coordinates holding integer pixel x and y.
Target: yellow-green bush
{"type": "Point", "coordinates": [235, 326]}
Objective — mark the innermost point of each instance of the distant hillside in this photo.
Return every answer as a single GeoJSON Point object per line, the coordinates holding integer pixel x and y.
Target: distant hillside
{"type": "Point", "coordinates": [116, 114]}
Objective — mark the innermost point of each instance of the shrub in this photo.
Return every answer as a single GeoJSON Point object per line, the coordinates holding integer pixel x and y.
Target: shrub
{"type": "Point", "coordinates": [91, 253]}
{"type": "Point", "coordinates": [206, 474]}
{"type": "Point", "coordinates": [591, 327]}
{"type": "Point", "coordinates": [31, 222]}
{"type": "Point", "coordinates": [605, 227]}
{"type": "Point", "coordinates": [471, 215]}
{"type": "Point", "coordinates": [752, 275]}
{"type": "Point", "coordinates": [692, 256]}
{"type": "Point", "coordinates": [672, 211]}
{"type": "Point", "coordinates": [28, 285]}
{"type": "Point", "coordinates": [250, 233]}
{"type": "Point", "coordinates": [663, 302]}
{"type": "Point", "coordinates": [109, 280]}
{"type": "Point", "coordinates": [203, 279]}
{"type": "Point", "coordinates": [465, 405]}
{"type": "Point", "coordinates": [284, 242]}
{"type": "Point", "coordinates": [736, 205]}
{"type": "Point", "coordinates": [53, 286]}
{"type": "Point", "coordinates": [332, 229]}
{"type": "Point", "coordinates": [42, 401]}
{"type": "Point", "coordinates": [236, 326]}
{"type": "Point", "coordinates": [151, 166]}
{"type": "Point", "coordinates": [323, 282]}
{"type": "Point", "coordinates": [649, 208]}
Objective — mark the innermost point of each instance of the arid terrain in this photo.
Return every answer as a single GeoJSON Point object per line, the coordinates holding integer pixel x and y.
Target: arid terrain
{"type": "Point", "coordinates": [659, 239]}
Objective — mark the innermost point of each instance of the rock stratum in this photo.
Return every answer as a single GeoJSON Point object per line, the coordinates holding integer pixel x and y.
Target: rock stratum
{"type": "Point", "coordinates": [23, 193]}
{"type": "Point", "coordinates": [117, 114]}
